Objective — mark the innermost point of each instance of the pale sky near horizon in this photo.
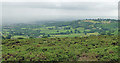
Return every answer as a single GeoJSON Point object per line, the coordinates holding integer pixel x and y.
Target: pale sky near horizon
{"type": "Point", "coordinates": [59, 0]}
{"type": "Point", "coordinates": [44, 10]}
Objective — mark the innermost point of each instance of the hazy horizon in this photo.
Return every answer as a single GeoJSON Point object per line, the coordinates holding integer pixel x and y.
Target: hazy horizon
{"type": "Point", "coordinates": [25, 12]}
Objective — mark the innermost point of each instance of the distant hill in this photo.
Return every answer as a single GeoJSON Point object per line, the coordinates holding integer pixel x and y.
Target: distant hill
{"type": "Point", "coordinates": [74, 28]}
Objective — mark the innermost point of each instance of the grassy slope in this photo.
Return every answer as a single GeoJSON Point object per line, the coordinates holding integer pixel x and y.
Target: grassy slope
{"type": "Point", "coordinates": [94, 48]}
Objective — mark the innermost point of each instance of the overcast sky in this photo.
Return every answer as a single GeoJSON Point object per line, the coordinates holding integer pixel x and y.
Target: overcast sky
{"type": "Point", "coordinates": [17, 11]}
{"type": "Point", "coordinates": [59, 0]}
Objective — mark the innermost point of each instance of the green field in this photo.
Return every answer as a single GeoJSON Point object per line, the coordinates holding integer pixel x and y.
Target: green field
{"type": "Point", "coordinates": [70, 35]}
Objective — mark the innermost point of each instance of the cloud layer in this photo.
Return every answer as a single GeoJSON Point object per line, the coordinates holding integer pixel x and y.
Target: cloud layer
{"type": "Point", "coordinates": [16, 12]}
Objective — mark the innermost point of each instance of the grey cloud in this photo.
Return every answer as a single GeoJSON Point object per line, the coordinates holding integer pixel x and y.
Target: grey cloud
{"type": "Point", "coordinates": [36, 11]}
{"type": "Point", "coordinates": [63, 5]}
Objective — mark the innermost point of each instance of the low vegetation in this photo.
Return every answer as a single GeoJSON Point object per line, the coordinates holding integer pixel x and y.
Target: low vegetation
{"type": "Point", "coordinates": [92, 48]}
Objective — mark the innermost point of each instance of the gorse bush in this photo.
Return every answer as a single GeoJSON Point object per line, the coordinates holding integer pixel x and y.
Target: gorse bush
{"type": "Point", "coordinates": [92, 48]}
